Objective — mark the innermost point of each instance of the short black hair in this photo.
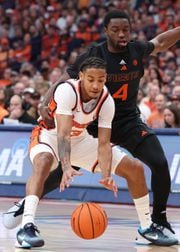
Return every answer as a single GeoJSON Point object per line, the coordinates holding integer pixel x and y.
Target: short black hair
{"type": "Point", "coordinates": [93, 62]}
{"type": "Point", "coordinates": [115, 14]}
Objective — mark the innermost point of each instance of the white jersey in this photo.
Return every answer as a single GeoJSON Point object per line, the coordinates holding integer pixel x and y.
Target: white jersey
{"type": "Point", "coordinates": [67, 101]}
{"type": "Point", "coordinates": [67, 98]}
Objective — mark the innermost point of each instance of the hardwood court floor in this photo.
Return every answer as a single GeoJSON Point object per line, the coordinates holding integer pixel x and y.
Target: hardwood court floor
{"type": "Point", "coordinates": [53, 219]}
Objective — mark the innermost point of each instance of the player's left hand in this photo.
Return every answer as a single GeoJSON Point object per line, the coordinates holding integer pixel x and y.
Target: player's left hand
{"type": "Point", "coordinates": [110, 184]}
{"type": "Point", "coordinates": [67, 178]}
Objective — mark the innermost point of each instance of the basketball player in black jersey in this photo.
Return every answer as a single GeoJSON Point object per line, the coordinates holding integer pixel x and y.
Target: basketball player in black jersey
{"type": "Point", "coordinates": [125, 68]}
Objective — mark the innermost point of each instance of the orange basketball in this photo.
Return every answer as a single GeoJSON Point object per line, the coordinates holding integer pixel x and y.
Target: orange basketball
{"type": "Point", "coordinates": [89, 220]}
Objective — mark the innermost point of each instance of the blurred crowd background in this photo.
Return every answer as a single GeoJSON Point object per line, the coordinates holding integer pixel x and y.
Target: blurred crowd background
{"type": "Point", "coordinates": [39, 38]}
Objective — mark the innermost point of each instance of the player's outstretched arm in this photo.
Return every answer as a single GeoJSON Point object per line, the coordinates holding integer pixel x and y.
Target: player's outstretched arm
{"type": "Point", "coordinates": [105, 159]}
{"type": "Point", "coordinates": [165, 40]}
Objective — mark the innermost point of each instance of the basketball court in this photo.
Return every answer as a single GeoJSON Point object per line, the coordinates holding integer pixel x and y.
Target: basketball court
{"type": "Point", "coordinates": [53, 220]}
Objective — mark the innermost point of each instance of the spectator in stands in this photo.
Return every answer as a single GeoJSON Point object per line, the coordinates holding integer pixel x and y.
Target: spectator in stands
{"type": "Point", "coordinates": [7, 78]}
{"type": "Point", "coordinates": [53, 58]}
{"type": "Point", "coordinates": [42, 25]}
{"type": "Point", "coordinates": [177, 80]}
{"type": "Point", "coordinates": [177, 53]}
{"type": "Point", "coordinates": [45, 70]}
{"type": "Point", "coordinates": [17, 112]}
{"type": "Point", "coordinates": [3, 110]}
{"type": "Point", "coordinates": [27, 81]}
{"type": "Point", "coordinates": [172, 117]}
{"type": "Point", "coordinates": [168, 21]}
{"type": "Point", "coordinates": [18, 88]}
{"type": "Point", "coordinates": [144, 109]}
{"type": "Point", "coordinates": [27, 92]}
{"type": "Point", "coordinates": [166, 89]}
{"type": "Point", "coordinates": [150, 28]}
{"type": "Point", "coordinates": [85, 32]}
{"type": "Point", "coordinates": [154, 74]}
{"type": "Point", "coordinates": [171, 64]}
{"type": "Point", "coordinates": [156, 119]}
{"type": "Point", "coordinates": [152, 92]}
{"type": "Point", "coordinates": [27, 69]}
{"type": "Point", "coordinates": [64, 42]}
{"type": "Point", "coordinates": [36, 44]}
{"type": "Point", "coordinates": [72, 57]}
{"type": "Point", "coordinates": [42, 87]}
{"type": "Point", "coordinates": [21, 53]}
{"type": "Point", "coordinates": [55, 75]}
{"type": "Point", "coordinates": [175, 96]}
{"type": "Point", "coordinates": [4, 54]}
{"type": "Point", "coordinates": [34, 102]}
{"type": "Point", "coordinates": [49, 39]}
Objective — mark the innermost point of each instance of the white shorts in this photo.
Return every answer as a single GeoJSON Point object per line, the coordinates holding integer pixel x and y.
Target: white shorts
{"type": "Point", "coordinates": [83, 151]}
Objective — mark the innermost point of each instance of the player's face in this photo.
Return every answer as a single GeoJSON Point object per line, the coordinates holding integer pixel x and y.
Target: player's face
{"type": "Point", "coordinates": [118, 34]}
{"type": "Point", "coordinates": [92, 83]}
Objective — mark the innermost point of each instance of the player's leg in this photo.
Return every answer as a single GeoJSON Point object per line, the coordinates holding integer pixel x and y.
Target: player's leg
{"type": "Point", "coordinates": [28, 234]}
{"type": "Point", "coordinates": [142, 143]}
{"type": "Point", "coordinates": [43, 159]}
{"type": "Point", "coordinates": [160, 183]}
{"type": "Point", "coordinates": [133, 171]}
{"type": "Point", "coordinates": [12, 218]}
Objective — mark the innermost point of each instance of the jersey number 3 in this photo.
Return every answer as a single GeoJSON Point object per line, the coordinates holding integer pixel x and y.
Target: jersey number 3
{"type": "Point", "coordinates": [121, 93]}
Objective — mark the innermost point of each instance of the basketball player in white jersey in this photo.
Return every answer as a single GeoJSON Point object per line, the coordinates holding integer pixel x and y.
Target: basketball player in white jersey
{"type": "Point", "coordinates": [75, 104]}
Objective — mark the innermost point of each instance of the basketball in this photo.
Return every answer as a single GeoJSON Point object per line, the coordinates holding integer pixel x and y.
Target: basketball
{"type": "Point", "coordinates": [89, 220]}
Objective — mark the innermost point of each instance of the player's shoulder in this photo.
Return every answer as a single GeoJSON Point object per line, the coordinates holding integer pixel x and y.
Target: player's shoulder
{"type": "Point", "coordinates": [67, 90]}
{"type": "Point", "coordinates": [96, 49]}
{"type": "Point", "coordinates": [70, 81]}
{"type": "Point", "coordinates": [141, 47]}
{"type": "Point", "coordinates": [138, 44]}
{"type": "Point", "coordinates": [69, 84]}
{"type": "Point", "coordinates": [101, 44]}
{"type": "Point", "coordinates": [107, 93]}
{"type": "Point", "coordinates": [105, 89]}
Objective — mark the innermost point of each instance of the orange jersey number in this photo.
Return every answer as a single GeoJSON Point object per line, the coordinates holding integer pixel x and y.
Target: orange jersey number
{"type": "Point", "coordinates": [121, 93]}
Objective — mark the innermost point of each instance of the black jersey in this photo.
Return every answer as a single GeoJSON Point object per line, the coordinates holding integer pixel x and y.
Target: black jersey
{"type": "Point", "coordinates": [124, 72]}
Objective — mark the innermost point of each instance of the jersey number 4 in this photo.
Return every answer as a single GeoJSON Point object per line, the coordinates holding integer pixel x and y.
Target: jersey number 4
{"type": "Point", "coordinates": [121, 93]}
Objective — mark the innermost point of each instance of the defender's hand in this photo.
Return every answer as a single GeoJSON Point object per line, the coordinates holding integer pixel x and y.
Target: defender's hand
{"type": "Point", "coordinates": [67, 178]}
{"type": "Point", "coordinates": [109, 184]}
{"type": "Point", "coordinates": [44, 112]}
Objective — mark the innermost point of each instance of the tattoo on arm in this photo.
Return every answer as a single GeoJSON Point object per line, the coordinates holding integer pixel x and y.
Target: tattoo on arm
{"type": "Point", "coordinates": [64, 150]}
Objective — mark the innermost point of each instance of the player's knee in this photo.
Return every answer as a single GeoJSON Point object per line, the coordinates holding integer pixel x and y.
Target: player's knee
{"type": "Point", "coordinates": [42, 164]}
{"type": "Point", "coordinates": [159, 165]}
{"type": "Point", "coordinates": [135, 170]}
{"type": "Point", "coordinates": [130, 169]}
{"type": "Point", "coordinates": [138, 170]}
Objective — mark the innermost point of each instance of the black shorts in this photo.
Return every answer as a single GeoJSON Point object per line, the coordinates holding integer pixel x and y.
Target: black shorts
{"type": "Point", "coordinates": [127, 135]}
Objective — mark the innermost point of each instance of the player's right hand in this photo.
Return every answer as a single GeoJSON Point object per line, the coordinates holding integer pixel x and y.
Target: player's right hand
{"type": "Point", "coordinates": [109, 184]}
{"type": "Point", "coordinates": [67, 178]}
{"type": "Point", "coordinates": [44, 112]}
